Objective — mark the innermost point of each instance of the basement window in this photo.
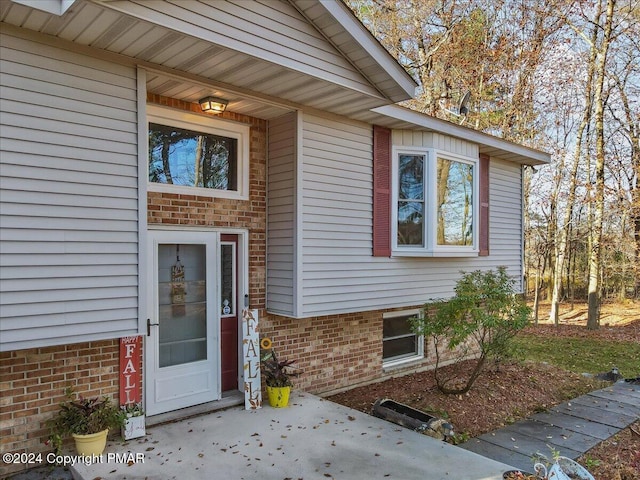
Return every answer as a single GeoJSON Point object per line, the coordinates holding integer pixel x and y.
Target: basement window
{"type": "Point", "coordinates": [399, 343]}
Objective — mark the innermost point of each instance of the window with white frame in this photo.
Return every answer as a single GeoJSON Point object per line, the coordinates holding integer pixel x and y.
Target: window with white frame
{"type": "Point", "coordinates": [399, 343]}
{"type": "Point", "coordinates": [436, 207]}
{"type": "Point", "coordinates": [197, 154]}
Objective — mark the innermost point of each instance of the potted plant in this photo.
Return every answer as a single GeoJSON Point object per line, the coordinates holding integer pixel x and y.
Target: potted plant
{"type": "Point", "coordinates": [87, 420]}
{"type": "Point", "coordinates": [134, 424]}
{"type": "Point", "coordinates": [278, 374]}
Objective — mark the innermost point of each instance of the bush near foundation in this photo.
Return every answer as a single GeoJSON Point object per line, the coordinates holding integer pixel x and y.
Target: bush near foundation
{"type": "Point", "coordinates": [478, 322]}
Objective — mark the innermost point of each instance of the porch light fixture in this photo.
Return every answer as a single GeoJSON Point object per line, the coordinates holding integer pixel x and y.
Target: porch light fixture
{"type": "Point", "coordinates": [213, 104]}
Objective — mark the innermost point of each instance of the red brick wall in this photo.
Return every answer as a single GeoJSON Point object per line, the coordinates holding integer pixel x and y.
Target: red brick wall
{"type": "Point", "coordinates": [336, 352]}
{"type": "Point", "coordinates": [333, 351]}
{"type": "Point", "coordinates": [33, 382]}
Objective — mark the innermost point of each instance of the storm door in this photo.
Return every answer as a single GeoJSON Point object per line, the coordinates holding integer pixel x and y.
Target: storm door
{"type": "Point", "coordinates": [183, 331]}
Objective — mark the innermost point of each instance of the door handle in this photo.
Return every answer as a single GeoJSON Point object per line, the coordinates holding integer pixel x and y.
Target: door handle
{"type": "Point", "coordinates": [149, 325]}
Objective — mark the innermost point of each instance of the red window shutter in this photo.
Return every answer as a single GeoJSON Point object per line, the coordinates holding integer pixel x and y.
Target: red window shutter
{"type": "Point", "coordinates": [484, 205]}
{"type": "Point", "coordinates": [381, 191]}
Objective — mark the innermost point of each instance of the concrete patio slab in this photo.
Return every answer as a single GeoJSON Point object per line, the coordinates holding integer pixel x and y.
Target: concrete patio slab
{"type": "Point", "coordinates": [311, 439]}
{"type": "Point", "coordinates": [315, 438]}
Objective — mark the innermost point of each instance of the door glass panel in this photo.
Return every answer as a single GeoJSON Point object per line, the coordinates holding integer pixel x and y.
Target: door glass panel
{"type": "Point", "coordinates": [182, 305]}
{"type": "Point", "coordinates": [227, 281]}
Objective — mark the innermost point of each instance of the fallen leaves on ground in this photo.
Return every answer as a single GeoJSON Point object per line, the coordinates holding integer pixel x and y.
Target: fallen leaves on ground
{"type": "Point", "coordinates": [503, 394]}
{"type": "Point", "coordinates": [617, 458]}
{"type": "Point", "coordinates": [508, 392]}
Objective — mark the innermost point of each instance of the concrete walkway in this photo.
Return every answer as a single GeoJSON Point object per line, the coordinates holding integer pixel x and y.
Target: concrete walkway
{"type": "Point", "coordinates": [571, 428]}
{"type": "Point", "coordinates": [311, 439]}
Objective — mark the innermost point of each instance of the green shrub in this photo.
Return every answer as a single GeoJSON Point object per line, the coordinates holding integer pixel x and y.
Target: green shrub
{"type": "Point", "coordinates": [479, 321]}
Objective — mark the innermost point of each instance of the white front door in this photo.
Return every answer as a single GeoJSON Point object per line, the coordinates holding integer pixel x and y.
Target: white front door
{"type": "Point", "coordinates": [182, 347]}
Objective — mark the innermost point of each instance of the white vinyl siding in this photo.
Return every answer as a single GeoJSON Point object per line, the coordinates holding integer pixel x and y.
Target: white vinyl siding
{"type": "Point", "coordinates": [337, 215]}
{"type": "Point", "coordinates": [505, 222]}
{"type": "Point", "coordinates": [69, 197]}
{"type": "Point", "coordinates": [340, 275]}
{"type": "Point", "coordinates": [437, 141]}
{"type": "Point", "coordinates": [281, 213]}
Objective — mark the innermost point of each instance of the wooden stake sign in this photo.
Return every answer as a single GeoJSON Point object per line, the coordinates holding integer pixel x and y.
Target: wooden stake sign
{"type": "Point", "coordinates": [130, 355]}
{"type": "Point", "coordinates": [251, 360]}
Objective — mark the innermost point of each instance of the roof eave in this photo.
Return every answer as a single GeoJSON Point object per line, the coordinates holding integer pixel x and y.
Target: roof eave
{"type": "Point", "coordinates": [400, 117]}
{"type": "Point", "coordinates": [351, 24]}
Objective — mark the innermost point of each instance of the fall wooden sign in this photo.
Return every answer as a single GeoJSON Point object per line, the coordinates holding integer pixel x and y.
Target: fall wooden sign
{"type": "Point", "coordinates": [251, 360]}
{"type": "Point", "coordinates": [130, 378]}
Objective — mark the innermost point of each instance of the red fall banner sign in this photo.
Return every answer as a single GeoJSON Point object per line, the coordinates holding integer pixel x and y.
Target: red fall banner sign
{"type": "Point", "coordinates": [130, 378]}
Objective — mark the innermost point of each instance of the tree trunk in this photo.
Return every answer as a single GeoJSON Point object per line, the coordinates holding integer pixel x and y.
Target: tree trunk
{"type": "Point", "coordinates": [166, 167]}
{"type": "Point", "coordinates": [198, 181]}
{"type": "Point", "coordinates": [536, 293]}
{"type": "Point", "coordinates": [631, 125]}
{"type": "Point", "coordinates": [563, 236]}
{"type": "Point", "coordinates": [442, 193]}
{"type": "Point", "coordinates": [595, 253]}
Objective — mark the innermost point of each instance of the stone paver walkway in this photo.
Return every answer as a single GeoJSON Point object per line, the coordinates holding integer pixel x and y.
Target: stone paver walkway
{"type": "Point", "coordinates": [569, 429]}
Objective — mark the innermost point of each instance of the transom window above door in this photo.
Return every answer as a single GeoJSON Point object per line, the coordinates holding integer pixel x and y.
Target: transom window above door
{"type": "Point", "coordinates": [198, 155]}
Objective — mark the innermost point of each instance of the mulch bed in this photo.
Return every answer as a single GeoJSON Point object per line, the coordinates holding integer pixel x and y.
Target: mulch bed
{"type": "Point", "coordinates": [511, 391]}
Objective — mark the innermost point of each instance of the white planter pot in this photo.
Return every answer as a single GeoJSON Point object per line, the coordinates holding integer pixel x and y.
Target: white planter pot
{"type": "Point", "coordinates": [134, 427]}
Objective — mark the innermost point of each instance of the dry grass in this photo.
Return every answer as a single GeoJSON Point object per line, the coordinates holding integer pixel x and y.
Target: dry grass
{"type": "Point", "coordinates": [612, 314]}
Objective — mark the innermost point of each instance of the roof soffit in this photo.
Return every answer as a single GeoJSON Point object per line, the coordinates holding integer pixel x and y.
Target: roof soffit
{"type": "Point", "coordinates": [270, 48]}
{"type": "Point", "coordinates": [346, 32]}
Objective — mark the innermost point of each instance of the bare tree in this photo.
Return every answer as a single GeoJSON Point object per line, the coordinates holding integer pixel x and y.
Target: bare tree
{"type": "Point", "coordinates": [595, 254]}
{"type": "Point", "coordinates": [564, 232]}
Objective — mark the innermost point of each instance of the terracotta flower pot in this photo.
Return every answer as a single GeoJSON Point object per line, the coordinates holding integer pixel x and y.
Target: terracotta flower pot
{"type": "Point", "coordinates": [92, 444]}
{"type": "Point", "coordinates": [278, 396]}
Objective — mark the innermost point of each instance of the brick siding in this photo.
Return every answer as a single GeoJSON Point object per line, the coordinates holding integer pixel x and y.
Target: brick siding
{"type": "Point", "coordinates": [33, 383]}
{"type": "Point", "coordinates": [338, 352]}
{"type": "Point", "coordinates": [332, 351]}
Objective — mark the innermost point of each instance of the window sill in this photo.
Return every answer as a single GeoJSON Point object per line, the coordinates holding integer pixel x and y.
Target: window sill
{"type": "Point", "coordinates": [434, 253]}
{"type": "Point", "coordinates": [196, 191]}
{"type": "Point", "coordinates": [402, 363]}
